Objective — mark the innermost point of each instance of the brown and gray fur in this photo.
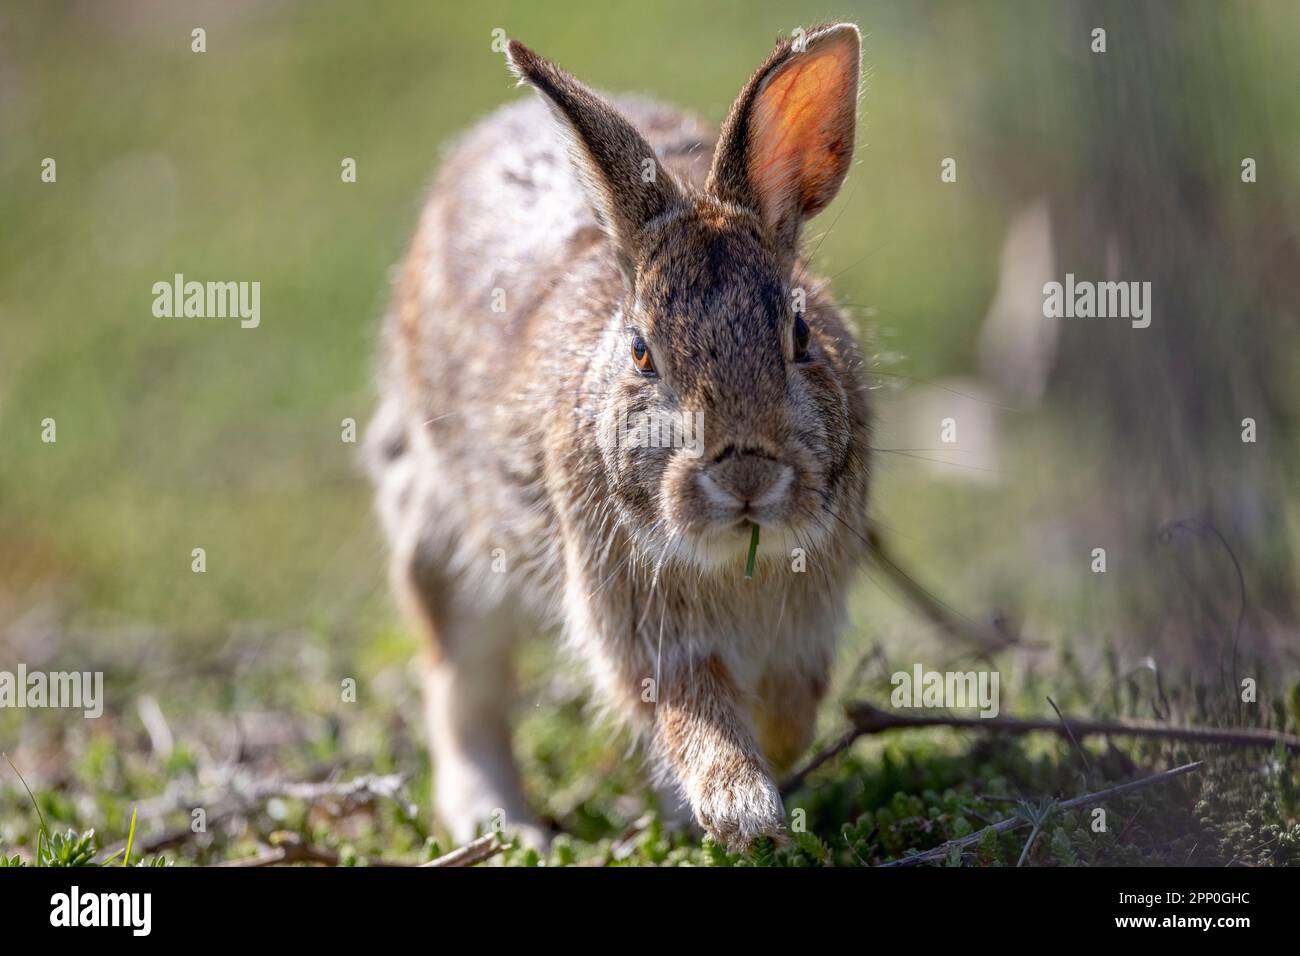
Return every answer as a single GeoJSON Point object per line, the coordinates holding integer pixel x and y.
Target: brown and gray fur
{"type": "Point", "coordinates": [541, 253]}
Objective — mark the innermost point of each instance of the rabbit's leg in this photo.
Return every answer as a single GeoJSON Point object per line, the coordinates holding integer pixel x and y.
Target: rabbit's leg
{"type": "Point", "coordinates": [786, 711]}
{"type": "Point", "coordinates": [465, 664]}
{"type": "Point", "coordinates": [466, 680]}
{"type": "Point", "coordinates": [703, 729]}
{"type": "Point", "coordinates": [467, 687]}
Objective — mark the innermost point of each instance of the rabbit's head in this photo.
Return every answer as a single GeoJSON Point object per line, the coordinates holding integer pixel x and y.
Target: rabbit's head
{"type": "Point", "coordinates": [722, 378]}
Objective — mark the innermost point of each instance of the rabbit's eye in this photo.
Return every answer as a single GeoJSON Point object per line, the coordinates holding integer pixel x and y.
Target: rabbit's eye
{"type": "Point", "coordinates": [641, 356]}
{"type": "Point", "coordinates": [802, 339]}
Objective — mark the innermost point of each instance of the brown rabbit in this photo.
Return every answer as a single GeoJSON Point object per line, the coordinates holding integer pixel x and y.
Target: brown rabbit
{"type": "Point", "coordinates": [584, 269]}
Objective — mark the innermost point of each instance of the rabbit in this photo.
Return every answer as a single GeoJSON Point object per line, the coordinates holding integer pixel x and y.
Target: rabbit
{"type": "Point", "coordinates": [584, 263]}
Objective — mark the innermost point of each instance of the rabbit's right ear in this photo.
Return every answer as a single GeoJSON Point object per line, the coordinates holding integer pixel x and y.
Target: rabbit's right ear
{"type": "Point", "coordinates": [626, 185]}
{"type": "Point", "coordinates": [787, 144]}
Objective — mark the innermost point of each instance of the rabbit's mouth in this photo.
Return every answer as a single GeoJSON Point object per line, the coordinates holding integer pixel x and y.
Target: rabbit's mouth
{"type": "Point", "coordinates": [724, 525]}
{"type": "Point", "coordinates": [712, 505]}
{"type": "Point", "coordinates": [725, 548]}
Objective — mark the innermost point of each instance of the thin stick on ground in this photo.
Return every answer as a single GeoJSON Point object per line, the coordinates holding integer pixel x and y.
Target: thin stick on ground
{"type": "Point", "coordinates": [234, 797]}
{"type": "Point", "coordinates": [945, 618]}
{"type": "Point", "coordinates": [1083, 755]}
{"type": "Point", "coordinates": [942, 851]}
{"type": "Point", "coordinates": [868, 719]}
{"type": "Point", "coordinates": [484, 848]}
{"type": "Point", "coordinates": [291, 848]}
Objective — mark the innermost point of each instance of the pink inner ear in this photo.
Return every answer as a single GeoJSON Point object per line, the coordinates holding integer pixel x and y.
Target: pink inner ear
{"type": "Point", "coordinates": [802, 127]}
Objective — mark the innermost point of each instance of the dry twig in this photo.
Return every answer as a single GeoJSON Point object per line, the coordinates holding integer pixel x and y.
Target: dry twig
{"type": "Point", "coordinates": [1014, 823]}
{"type": "Point", "coordinates": [869, 719]}
{"type": "Point", "coordinates": [930, 607]}
{"type": "Point", "coordinates": [236, 797]}
{"type": "Point", "coordinates": [484, 848]}
{"type": "Point", "coordinates": [291, 848]}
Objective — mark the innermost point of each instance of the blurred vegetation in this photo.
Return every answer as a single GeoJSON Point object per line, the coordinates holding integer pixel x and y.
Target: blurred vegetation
{"type": "Point", "coordinates": [177, 434]}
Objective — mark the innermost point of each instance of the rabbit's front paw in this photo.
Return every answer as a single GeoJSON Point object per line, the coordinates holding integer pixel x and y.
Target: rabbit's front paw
{"type": "Point", "coordinates": [736, 808]}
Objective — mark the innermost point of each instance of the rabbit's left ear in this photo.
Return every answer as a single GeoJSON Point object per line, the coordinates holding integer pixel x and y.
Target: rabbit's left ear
{"type": "Point", "coordinates": [625, 185]}
{"type": "Point", "coordinates": [787, 144]}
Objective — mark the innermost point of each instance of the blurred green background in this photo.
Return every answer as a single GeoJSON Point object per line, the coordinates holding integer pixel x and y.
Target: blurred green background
{"type": "Point", "coordinates": [175, 434]}
{"type": "Point", "coordinates": [182, 434]}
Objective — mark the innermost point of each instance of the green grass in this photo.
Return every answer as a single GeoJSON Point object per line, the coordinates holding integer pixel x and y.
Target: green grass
{"type": "Point", "coordinates": [886, 797]}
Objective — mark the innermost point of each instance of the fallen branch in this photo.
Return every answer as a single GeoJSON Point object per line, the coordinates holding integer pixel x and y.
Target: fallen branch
{"type": "Point", "coordinates": [350, 793]}
{"type": "Point", "coordinates": [484, 848]}
{"type": "Point", "coordinates": [796, 779]}
{"type": "Point", "coordinates": [869, 719]}
{"type": "Point", "coordinates": [945, 618]}
{"type": "Point", "coordinates": [1014, 823]}
{"type": "Point", "coordinates": [163, 841]}
{"type": "Point", "coordinates": [236, 797]}
{"type": "Point", "coordinates": [291, 848]}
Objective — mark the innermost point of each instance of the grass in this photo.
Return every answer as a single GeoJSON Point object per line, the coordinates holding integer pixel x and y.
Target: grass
{"type": "Point", "coordinates": [885, 798]}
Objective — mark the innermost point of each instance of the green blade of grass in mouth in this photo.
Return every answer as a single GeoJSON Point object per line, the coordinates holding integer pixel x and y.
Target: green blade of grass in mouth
{"type": "Point", "coordinates": [753, 553]}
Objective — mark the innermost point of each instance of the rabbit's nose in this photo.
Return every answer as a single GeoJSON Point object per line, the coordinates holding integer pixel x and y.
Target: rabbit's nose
{"type": "Point", "coordinates": [746, 479]}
